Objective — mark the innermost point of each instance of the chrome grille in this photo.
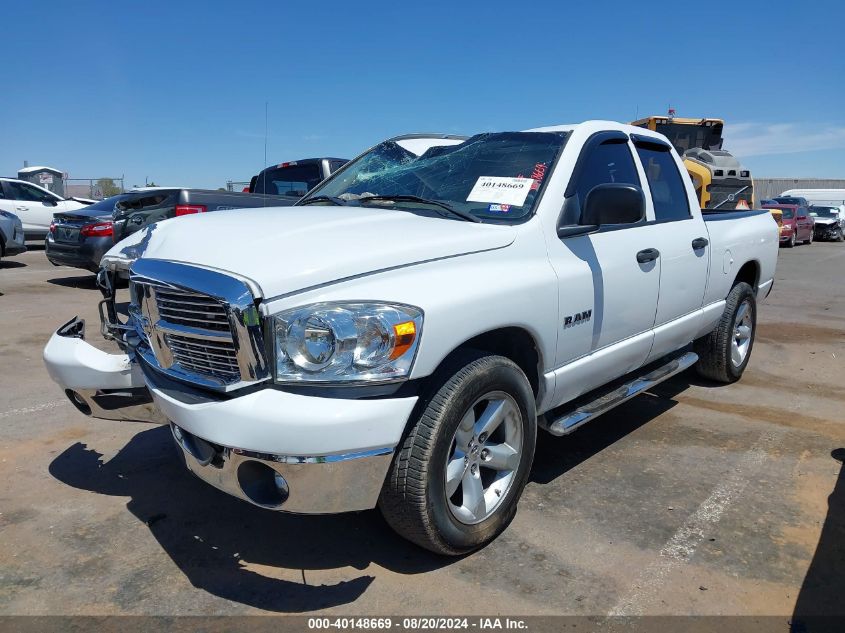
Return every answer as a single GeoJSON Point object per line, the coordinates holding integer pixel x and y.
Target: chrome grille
{"type": "Point", "coordinates": [192, 309]}
{"type": "Point", "coordinates": [197, 325]}
{"type": "Point", "coordinates": [205, 357]}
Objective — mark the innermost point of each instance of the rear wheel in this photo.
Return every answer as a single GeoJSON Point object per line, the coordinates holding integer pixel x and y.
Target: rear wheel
{"type": "Point", "coordinates": [456, 480]}
{"type": "Point", "coordinates": [723, 354]}
{"type": "Point", "coordinates": [809, 240]}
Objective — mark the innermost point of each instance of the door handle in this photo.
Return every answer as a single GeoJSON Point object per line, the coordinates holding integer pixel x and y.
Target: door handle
{"type": "Point", "coordinates": [648, 255]}
{"type": "Point", "coordinates": [699, 242]}
{"type": "Point", "coordinates": [21, 208]}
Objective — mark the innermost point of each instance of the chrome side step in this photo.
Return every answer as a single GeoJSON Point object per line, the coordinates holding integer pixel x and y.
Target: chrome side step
{"type": "Point", "coordinates": [563, 421]}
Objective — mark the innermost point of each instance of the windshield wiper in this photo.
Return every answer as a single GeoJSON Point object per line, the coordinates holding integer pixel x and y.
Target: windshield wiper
{"type": "Point", "coordinates": [333, 199]}
{"type": "Point", "coordinates": [469, 217]}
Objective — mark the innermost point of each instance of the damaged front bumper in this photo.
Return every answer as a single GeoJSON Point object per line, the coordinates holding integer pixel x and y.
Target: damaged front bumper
{"type": "Point", "coordinates": [275, 449]}
{"type": "Point", "coordinates": [99, 384]}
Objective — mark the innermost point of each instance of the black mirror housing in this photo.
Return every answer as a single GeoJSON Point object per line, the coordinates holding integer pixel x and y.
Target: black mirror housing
{"type": "Point", "coordinates": [613, 203]}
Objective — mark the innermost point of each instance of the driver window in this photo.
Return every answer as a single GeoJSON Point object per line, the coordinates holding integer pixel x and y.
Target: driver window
{"type": "Point", "coordinates": [610, 162]}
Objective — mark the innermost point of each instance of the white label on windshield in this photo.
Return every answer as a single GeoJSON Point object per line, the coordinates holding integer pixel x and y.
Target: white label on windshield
{"type": "Point", "coordinates": [501, 190]}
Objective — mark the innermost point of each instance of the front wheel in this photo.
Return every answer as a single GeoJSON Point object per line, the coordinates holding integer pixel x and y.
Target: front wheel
{"type": "Point", "coordinates": [791, 242]}
{"type": "Point", "coordinates": [456, 480]}
{"type": "Point", "coordinates": [723, 354]}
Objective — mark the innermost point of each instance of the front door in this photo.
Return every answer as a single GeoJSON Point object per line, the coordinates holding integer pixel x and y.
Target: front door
{"type": "Point", "coordinates": [607, 296]}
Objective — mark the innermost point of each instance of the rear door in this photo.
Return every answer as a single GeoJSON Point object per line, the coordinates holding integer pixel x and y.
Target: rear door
{"type": "Point", "coordinates": [679, 233]}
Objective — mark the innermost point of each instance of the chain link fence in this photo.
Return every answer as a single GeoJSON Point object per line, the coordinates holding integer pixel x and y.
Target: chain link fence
{"type": "Point", "coordinates": [94, 188]}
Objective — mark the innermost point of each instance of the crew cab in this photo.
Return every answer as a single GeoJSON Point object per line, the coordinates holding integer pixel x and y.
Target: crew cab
{"type": "Point", "coordinates": [293, 179]}
{"type": "Point", "coordinates": [397, 337]}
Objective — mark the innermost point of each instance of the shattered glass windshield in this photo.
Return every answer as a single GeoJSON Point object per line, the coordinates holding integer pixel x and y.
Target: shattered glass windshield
{"type": "Point", "coordinates": [494, 177]}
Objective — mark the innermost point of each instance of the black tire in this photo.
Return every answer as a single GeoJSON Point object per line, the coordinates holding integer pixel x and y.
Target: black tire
{"type": "Point", "coordinates": [791, 242]}
{"type": "Point", "coordinates": [809, 240]}
{"type": "Point", "coordinates": [414, 499]}
{"type": "Point", "coordinates": [714, 350]}
{"type": "Point", "coordinates": [840, 237]}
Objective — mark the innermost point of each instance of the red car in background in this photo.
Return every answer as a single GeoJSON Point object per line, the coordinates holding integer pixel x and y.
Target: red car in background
{"type": "Point", "coordinates": [797, 224]}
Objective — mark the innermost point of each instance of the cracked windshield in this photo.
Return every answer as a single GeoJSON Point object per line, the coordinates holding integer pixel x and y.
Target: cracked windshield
{"type": "Point", "coordinates": [488, 177]}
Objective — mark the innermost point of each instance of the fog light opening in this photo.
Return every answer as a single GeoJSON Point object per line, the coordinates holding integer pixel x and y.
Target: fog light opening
{"type": "Point", "coordinates": [78, 401]}
{"type": "Point", "coordinates": [198, 448]}
{"type": "Point", "coordinates": [262, 485]}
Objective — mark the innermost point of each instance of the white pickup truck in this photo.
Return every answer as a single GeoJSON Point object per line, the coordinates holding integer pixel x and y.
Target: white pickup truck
{"type": "Point", "coordinates": [397, 337]}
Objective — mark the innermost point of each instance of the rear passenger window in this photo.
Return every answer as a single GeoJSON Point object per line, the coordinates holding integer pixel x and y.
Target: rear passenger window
{"type": "Point", "coordinates": [667, 188]}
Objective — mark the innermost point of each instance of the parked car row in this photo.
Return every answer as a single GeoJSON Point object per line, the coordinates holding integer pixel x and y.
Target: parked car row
{"type": "Point", "coordinates": [802, 222]}
{"type": "Point", "coordinates": [78, 231]}
{"type": "Point", "coordinates": [80, 238]}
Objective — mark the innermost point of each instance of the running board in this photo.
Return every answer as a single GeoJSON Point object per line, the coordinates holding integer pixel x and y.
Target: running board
{"type": "Point", "coordinates": [606, 400]}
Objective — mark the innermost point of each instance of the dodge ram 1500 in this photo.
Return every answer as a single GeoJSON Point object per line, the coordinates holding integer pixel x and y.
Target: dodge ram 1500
{"type": "Point", "coordinates": [397, 338]}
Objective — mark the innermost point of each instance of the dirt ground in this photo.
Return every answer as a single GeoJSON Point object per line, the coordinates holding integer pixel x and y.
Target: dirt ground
{"type": "Point", "coordinates": [692, 499]}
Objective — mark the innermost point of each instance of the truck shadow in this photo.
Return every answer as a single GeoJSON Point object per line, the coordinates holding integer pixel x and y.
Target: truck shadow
{"type": "Point", "coordinates": [221, 543]}
{"type": "Point", "coordinates": [557, 455]}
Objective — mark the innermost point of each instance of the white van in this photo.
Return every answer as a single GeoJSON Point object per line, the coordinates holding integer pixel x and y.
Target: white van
{"type": "Point", "coordinates": [824, 197]}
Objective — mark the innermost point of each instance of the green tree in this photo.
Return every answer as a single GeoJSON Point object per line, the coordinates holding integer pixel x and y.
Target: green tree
{"type": "Point", "coordinates": [107, 187]}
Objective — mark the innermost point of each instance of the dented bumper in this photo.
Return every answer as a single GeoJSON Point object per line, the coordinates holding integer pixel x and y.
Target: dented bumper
{"type": "Point", "coordinates": [99, 384]}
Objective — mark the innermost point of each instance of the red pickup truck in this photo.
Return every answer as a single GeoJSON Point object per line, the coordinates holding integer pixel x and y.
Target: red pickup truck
{"type": "Point", "coordinates": [797, 224]}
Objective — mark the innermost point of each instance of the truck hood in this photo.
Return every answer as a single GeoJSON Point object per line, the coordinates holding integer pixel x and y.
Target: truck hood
{"type": "Point", "coordinates": [826, 220]}
{"type": "Point", "coordinates": [287, 249]}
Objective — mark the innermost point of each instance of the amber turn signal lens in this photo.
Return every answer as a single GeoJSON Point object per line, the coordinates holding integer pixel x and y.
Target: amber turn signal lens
{"type": "Point", "coordinates": [405, 334]}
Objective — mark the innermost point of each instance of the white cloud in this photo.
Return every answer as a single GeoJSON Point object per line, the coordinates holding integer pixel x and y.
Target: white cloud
{"type": "Point", "coordinates": [762, 139]}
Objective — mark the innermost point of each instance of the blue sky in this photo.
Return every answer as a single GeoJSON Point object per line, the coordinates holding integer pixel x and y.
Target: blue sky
{"type": "Point", "coordinates": [175, 91]}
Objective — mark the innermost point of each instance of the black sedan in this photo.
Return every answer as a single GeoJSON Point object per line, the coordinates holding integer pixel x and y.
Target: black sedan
{"type": "Point", "coordinates": [80, 238]}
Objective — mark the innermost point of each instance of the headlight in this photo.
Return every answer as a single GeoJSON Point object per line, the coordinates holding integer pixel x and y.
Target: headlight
{"type": "Point", "coordinates": [346, 342]}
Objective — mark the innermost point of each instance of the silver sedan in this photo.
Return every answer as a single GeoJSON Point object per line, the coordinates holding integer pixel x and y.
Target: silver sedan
{"type": "Point", "coordinates": [11, 235]}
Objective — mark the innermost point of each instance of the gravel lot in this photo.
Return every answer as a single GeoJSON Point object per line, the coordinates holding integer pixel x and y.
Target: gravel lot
{"type": "Point", "coordinates": [693, 499]}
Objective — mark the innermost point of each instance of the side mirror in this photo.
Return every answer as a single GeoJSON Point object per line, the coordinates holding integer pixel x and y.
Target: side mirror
{"type": "Point", "coordinates": [50, 203]}
{"type": "Point", "coordinates": [613, 203]}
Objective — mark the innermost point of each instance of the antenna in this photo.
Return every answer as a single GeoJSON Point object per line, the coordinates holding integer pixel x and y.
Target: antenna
{"type": "Point", "coordinates": [264, 168]}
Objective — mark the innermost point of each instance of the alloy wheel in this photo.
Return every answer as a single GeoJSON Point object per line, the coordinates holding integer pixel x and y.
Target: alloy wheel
{"type": "Point", "coordinates": [741, 341]}
{"type": "Point", "coordinates": [485, 454]}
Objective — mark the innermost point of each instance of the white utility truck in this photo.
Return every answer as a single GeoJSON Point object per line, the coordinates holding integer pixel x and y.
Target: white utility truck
{"type": "Point", "coordinates": [396, 338]}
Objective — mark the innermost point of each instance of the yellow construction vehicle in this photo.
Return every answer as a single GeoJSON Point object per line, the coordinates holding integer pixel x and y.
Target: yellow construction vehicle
{"type": "Point", "coordinates": [720, 181]}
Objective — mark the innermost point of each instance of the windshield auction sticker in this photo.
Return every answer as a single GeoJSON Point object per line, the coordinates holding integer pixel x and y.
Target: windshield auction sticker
{"type": "Point", "coordinates": [501, 190]}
